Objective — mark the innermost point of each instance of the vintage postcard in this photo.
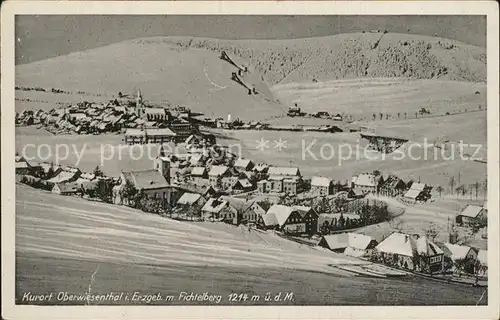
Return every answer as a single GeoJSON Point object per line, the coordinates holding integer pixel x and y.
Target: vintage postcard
{"type": "Point", "coordinates": [218, 160]}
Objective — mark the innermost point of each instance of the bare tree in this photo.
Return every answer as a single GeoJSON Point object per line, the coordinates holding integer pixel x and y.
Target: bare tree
{"type": "Point", "coordinates": [476, 188]}
{"type": "Point", "coordinates": [452, 183]}
{"type": "Point", "coordinates": [440, 190]}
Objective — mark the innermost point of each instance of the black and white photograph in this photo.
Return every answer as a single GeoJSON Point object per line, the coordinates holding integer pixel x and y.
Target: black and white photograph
{"type": "Point", "coordinates": [231, 159]}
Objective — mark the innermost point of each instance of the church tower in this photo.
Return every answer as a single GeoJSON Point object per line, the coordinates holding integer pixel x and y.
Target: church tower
{"type": "Point", "coordinates": [139, 105]}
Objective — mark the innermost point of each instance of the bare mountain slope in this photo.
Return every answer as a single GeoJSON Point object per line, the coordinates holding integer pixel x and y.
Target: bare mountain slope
{"type": "Point", "coordinates": [352, 55]}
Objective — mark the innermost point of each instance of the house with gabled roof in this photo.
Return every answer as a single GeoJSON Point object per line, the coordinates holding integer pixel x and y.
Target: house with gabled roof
{"type": "Point", "coordinates": [411, 252]}
{"type": "Point", "coordinates": [321, 186]}
{"type": "Point", "coordinates": [472, 214]}
{"type": "Point", "coordinates": [244, 164]}
{"type": "Point", "coordinates": [66, 188]}
{"type": "Point", "coordinates": [455, 253]}
{"type": "Point", "coordinates": [222, 177]}
{"type": "Point", "coordinates": [248, 211]}
{"type": "Point", "coordinates": [191, 199]}
{"type": "Point", "coordinates": [417, 192]}
{"type": "Point", "coordinates": [292, 220]}
{"type": "Point", "coordinates": [366, 183]}
{"type": "Point", "coordinates": [242, 185]}
{"type": "Point", "coordinates": [352, 244]}
{"type": "Point", "coordinates": [66, 174]}
{"type": "Point", "coordinates": [392, 186]}
{"type": "Point", "coordinates": [216, 209]}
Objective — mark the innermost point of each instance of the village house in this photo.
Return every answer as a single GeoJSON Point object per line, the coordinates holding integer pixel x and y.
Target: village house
{"type": "Point", "coordinates": [22, 166]}
{"type": "Point", "coordinates": [148, 135]}
{"type": "Point", "coordinates": [351, 244]}
{"type": "Point", "coordinates": [321, 186]}
{"type": "Point", "coordinates": [182, 129]}
{"type": "Point", "coordinates": [366, 183]}
{"type": "Point", "coordinates": [218, 210]}
{"type": "Point", "coordinates": [159, 135]}
{"type": "Point", "coordinates": [294, 220]}
{"type": "Point", "coordinates": [66, 188]}
{"type": "Point", "coordinates": [282, 179]}
{"type": "Point", "coordinates": [221, 177]}
{"type": "Point", "coordinates": [482, 262]}
{"type": "Point", "coordinates": [152, 183]}
{"type": "Point", "coordinates": [392, 186]}
{"type": "Point", "coordinates": [411, 252]}
{"type": "Point", "coordinates": [431, 257]}
{"type": "Point", "coordinates": [242, 185]}
{"type": "Point", "coordinates": [199, 175]}
{"type": "Point", "coordinates": [260, 171]}
{"type": "Point", "coordinates": [416, 193]}
{"type": "Point", "coordinates": [191, 200]}
{"type": "Point", "coordinates": [471, 215]}
{"type": "Point", "coordinates": [244, 164]}
{"type": "Point", "coordinates": [50, 170]}
{"type": "Point", "coordinates": [454, 253]}
{"type": "Point", "coordinates": [67, 174]}
{"type": "Point", "coordinates": [248, 211]}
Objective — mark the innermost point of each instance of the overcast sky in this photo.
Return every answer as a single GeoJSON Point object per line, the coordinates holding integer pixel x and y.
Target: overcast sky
{"type": "Point", "coordinates": [41, 37]}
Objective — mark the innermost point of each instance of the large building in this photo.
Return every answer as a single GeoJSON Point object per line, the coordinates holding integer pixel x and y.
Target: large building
{"type": "Point", "coordinates": [148, 135]}
{"type": "Point", "coordinates": [286, 180]}
{"type": "Point", "coordinates": [151, 183]}
{"type": "Point", "coordinates": [366, 183]}
{"type": "Point", "coordinates": [411, 252]}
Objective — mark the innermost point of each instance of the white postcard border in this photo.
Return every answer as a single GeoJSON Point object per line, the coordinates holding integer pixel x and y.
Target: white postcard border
{"type": "Point", "coordinates": [9, 9]}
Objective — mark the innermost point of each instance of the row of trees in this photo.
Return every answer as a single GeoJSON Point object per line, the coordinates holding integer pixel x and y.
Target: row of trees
{"type": "Point", "coordinates": [462, 190]}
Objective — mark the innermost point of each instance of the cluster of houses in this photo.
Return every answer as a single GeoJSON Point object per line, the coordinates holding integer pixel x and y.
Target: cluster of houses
{"type": "Point", "coordinates": [391, 186]}
{"type": "Point", "coordinates": [410, 252]}
{"type": "Point", "coordinates": [63, 180]}
{"type": "Point", "coordinates": [142, 123]}
{"type": "Point", "coordinates": [213, 185]}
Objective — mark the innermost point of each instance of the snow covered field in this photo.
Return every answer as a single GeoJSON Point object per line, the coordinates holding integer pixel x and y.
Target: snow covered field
{"type": "Point", "coordinates": [69, 244]}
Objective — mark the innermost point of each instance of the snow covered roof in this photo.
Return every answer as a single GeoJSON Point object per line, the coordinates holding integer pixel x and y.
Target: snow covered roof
{"type": "Point", "coordinates": [217, 171]}
{"type": "Point", "coordinates": [397, 243]}
{"type": "Point", "coordinates": [456, 251]}
{"type": "Point", "coordinates": [482, 257]}
{"type": "Point", "coordinates": [284, 171]}
{"type": "Point", "coordinates": [412, 194]}
{"type": "Point", "coordinates": [245, 183]}
{"type": "Point", "coordinates": [146, 179]}
{"type": "Point", "coordinates": [242, 163]}
{"type": "Point", "coordinates": [195, 159]}
{"type": "Point", "coordinates": [155, 111]}
{"type": "Point", "coordinates": [241, 205]}
{"type": "Point", "coordinates": [22, 165]}
{"type": "Point", "coordinates": [320, 182]}
{"type": "Point", "coordinates": [366, 179]}
{"type": "Point", "coordinates": [214, 205]}
{"type": "Point", "coordinates": [472, 211]}
{"type": "Point", "coordinates": [189, 198]}
{"type": "Point", "coordinates": [68, 187]}
{"type": "Point", "coordinates": [269, 220]}
{"type": "Point", "coordinates": [417, 186]}
{"type": "Point", "coordinates": [63, 176]}
{"type": "Point", "coordinates": [344, 240]}
{"type": "Point", "coordinates": [160, 132]}
{"type": "Point", "coordinates": [427, 247]}
{"type": "Point", "coordinates": [87, 176]}
{"type": "Point", "coordinates": [281, 213]}
{"type": "Point", "coordinates": [302, 210]}
{"type": "Point", "coordinates": [198, 171]}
